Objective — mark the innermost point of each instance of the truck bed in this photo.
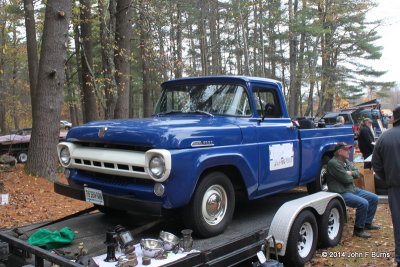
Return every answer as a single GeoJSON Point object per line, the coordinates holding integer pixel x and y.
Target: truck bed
{"type": "Point", "coordinates": [240, 241]}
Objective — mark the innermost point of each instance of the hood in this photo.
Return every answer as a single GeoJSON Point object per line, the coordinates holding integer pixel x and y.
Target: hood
{"type": "Point", "coordinates": [162, 132]}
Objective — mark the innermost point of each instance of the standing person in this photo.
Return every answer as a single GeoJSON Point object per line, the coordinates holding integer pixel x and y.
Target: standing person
{"type": "Point", "coordinates": [365, 138]}
{"type": "Point", "coordinates": [386, 164]}
{"type": "Point", "coordinates": [340, 178]}
{"type": "Point", "coordinates": [339, 121]}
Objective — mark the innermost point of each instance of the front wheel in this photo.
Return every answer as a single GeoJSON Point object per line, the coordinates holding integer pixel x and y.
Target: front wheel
{"type": "Point", "coordinates": [302, 240]}
{"type": "Point", "coordinates": [211, 208]}
{"type": "Point", "coordinates": [331, 224]}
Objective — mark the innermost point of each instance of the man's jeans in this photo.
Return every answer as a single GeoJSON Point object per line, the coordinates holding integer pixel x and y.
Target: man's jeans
{"type": "Point", "coordinates": [365, 202]}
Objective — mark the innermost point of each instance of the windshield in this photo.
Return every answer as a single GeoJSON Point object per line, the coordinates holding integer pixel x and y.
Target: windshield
{"type": "Point", "coordinates": [212, 99]}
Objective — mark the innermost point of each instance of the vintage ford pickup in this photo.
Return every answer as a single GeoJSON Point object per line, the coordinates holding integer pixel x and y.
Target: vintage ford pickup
{"type": "Point", "coordinates": [211, 140]}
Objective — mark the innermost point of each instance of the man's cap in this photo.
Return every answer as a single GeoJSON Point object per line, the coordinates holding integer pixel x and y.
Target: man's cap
{"type": "Point", "coordinates": [341, 145]}
{"type": "Point", "coordinates": [367, 120]}
{"type": "Point", "coordinates": [396, 115]}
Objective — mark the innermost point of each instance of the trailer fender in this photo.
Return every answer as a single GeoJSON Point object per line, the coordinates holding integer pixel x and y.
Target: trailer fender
{"type": "Point", "coordinates": [287, 213]}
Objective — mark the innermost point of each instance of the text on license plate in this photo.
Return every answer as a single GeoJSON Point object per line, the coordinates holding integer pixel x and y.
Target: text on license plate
{"type": "Point", "coordinates": [94, 196]}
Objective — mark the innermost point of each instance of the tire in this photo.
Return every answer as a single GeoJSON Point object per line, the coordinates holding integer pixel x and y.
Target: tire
{"type": "Point", "coordinates": [320, 183]}
{"type": "Point", "coordinates": [210, 219]}
{"type": "Point", "coordinates": [67, 128]}
{"type": "Point", "coordinates": [331, 224]}
{"type": "Point", "coordinates": [22, 156]}
{"type": "Point", "coordinates": [302, 240]}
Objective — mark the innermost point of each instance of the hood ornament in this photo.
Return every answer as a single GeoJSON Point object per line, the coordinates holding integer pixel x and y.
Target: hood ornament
{"type": "Point", "coordinates": [102, 132]}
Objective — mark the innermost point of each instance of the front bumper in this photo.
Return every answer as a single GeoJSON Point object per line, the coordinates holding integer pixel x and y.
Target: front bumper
{"type": "Point", "coordinates": [113, 201]}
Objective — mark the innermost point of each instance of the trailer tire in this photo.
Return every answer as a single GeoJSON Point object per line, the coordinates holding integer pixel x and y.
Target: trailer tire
{"type": "Point", "coordinates": [22, 156]}
{"type": "Point", "coordinates": [331, 224]}
{"type": "Point", "coordinates": [320, 183]}
{"type": "Point", "coordinates": [211, 208]}
{"type": "Point", "coordinates": [302, 241]}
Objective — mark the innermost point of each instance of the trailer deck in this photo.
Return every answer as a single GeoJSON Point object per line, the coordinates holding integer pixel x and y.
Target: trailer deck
{"type": "Point", "coordinates": [241, 240]}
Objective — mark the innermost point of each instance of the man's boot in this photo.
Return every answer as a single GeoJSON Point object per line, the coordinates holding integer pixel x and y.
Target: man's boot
{"type": "Point", "coordinates": [361, 233]}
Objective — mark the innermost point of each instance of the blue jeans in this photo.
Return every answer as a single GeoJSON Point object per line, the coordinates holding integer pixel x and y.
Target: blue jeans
{"type": "Point", "coordinates": [365, 204]}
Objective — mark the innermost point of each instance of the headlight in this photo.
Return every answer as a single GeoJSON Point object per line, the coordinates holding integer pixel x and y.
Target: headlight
{"type": "Point", "coordinates": [157, 166]}
{"type": "Point", "coordinates": [65, 156]}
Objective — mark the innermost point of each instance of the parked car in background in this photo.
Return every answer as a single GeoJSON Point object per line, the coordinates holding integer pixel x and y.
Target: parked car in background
{"type": "Point", "coordinates": [374, 114]}
{"type": "Point", "coordinates": [354, 117]}
{"type": "Point", "coordinates": [17, 143]}
{"type": "Point", "coordinates": [349, 120]}
{"type": "Point", "coordinates": [65, 125]}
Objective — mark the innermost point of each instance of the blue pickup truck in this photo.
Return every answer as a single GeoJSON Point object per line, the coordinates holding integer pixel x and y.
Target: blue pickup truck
{"type": "Point", "coordinates": [211, 141]}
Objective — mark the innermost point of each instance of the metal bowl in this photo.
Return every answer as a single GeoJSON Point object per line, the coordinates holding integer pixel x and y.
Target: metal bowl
{"type": "Point", "coordinates": [170, 241]}
{"type": "Point", "coordinates": [152, 247]}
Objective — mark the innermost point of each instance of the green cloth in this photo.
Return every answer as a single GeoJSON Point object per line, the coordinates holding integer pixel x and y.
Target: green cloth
{"type": "Point", "coordinates": [339, 181]}
{"type": "Point", "coordinates": [49, 240]}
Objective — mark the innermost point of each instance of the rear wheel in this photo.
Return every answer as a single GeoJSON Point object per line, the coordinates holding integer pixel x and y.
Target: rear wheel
{"type": "Point", "coordinates": [211, 208]}
{"type": "Point", "coordinates": [320, 183]}
{"type": "Point", "coordinates": [302, 240]}
{"type": "Point", "coordinates": [331, 224]}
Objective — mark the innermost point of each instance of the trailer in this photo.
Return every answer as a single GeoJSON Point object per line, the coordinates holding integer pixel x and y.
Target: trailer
{"type": "Point", "coordinates": [298, 222]}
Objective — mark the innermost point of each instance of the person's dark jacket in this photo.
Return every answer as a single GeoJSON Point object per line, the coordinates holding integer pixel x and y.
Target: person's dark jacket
{"type": "Point", "coordinates": [386, 157]}
{"type": "Point", "coordinates": [338, 180]}
{"type": "Point", "coordinates": [365, 139]}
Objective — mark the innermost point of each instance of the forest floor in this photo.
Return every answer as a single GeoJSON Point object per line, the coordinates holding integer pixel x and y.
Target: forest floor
{"type": "Point", "coordinates": [32, 200]}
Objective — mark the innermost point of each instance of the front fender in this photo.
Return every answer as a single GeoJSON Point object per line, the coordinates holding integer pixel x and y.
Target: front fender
{"type": "Point", "coordinates": [190, 164]}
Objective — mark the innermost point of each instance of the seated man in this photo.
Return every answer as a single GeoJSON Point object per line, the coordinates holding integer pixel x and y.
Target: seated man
{"type": "Point", "coordinates": [340, 175]}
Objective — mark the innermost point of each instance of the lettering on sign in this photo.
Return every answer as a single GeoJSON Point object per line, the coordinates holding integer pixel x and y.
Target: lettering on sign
{"type": "Point", "coordinates": [281, 156]}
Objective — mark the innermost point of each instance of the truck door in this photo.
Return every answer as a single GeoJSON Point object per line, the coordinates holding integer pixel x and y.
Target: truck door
{"type": "Point", "coordinates": [278, 144]}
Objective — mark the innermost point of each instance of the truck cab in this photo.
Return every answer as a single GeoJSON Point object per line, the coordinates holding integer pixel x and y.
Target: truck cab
{"type": "Point", "coordinates": [210, 140]}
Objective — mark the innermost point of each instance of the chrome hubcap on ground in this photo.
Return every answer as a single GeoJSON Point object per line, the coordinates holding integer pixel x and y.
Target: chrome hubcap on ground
{"type": "Point", "coordinates": [23, 157]}
{"type": "Point", "coordinates": [334, 223]}
{"type": "Point", "coordinates": [214, 204]}
{"type": "Point", "coordinates": [306, 236]}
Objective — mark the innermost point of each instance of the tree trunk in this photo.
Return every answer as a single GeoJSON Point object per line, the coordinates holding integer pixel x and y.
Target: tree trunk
{"type": "Point", "coordinates": [214, 38]}
{"type": "Point", "coordinates": [178, 62]}
{"type": "Point", "coordinates": [123, 35]}
{"type": "Point", "coordinates": [79, 69]}
{"type": "Point", "coordinates": [42, 160]}
{"type": "Point", "coordinates": [107, 38]}
{"type": "Point", "coordinates": [89, 97]}
{"type": "Point", "coordinates": [203, 37]}
{"type": "Point", "coordinates": [293, 53]}
{"type": "Point", "coordinates": [31, 48]}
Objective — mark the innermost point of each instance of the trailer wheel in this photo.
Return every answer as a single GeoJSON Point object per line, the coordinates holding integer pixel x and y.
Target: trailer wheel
{"type": "Point", "coordinates": [320, 183]}
{"type": "Point", "coordinates": [211, 208]}
{"type": "Point", "coordinates": [331, 224]}
{"type": "Point", "coordinates": [22, 156]}
{"type": "Point", "coordinates": [302, 240]}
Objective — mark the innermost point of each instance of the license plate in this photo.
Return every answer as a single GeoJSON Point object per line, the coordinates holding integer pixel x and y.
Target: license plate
{"type": "Point", "coordinates": [94, 196]}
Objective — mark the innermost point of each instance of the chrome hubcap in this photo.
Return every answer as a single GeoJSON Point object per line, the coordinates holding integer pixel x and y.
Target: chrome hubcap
{"type": "Point", "coordinates": [214, 204]}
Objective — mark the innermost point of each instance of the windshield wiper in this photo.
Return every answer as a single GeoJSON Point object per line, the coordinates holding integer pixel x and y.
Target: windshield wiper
{"type": "Point", "coordinates": [169, 112]}
{"type": "Point", "coordinates": [184, 112]}
{"type": "Point", "coordinates": [202, 112]}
